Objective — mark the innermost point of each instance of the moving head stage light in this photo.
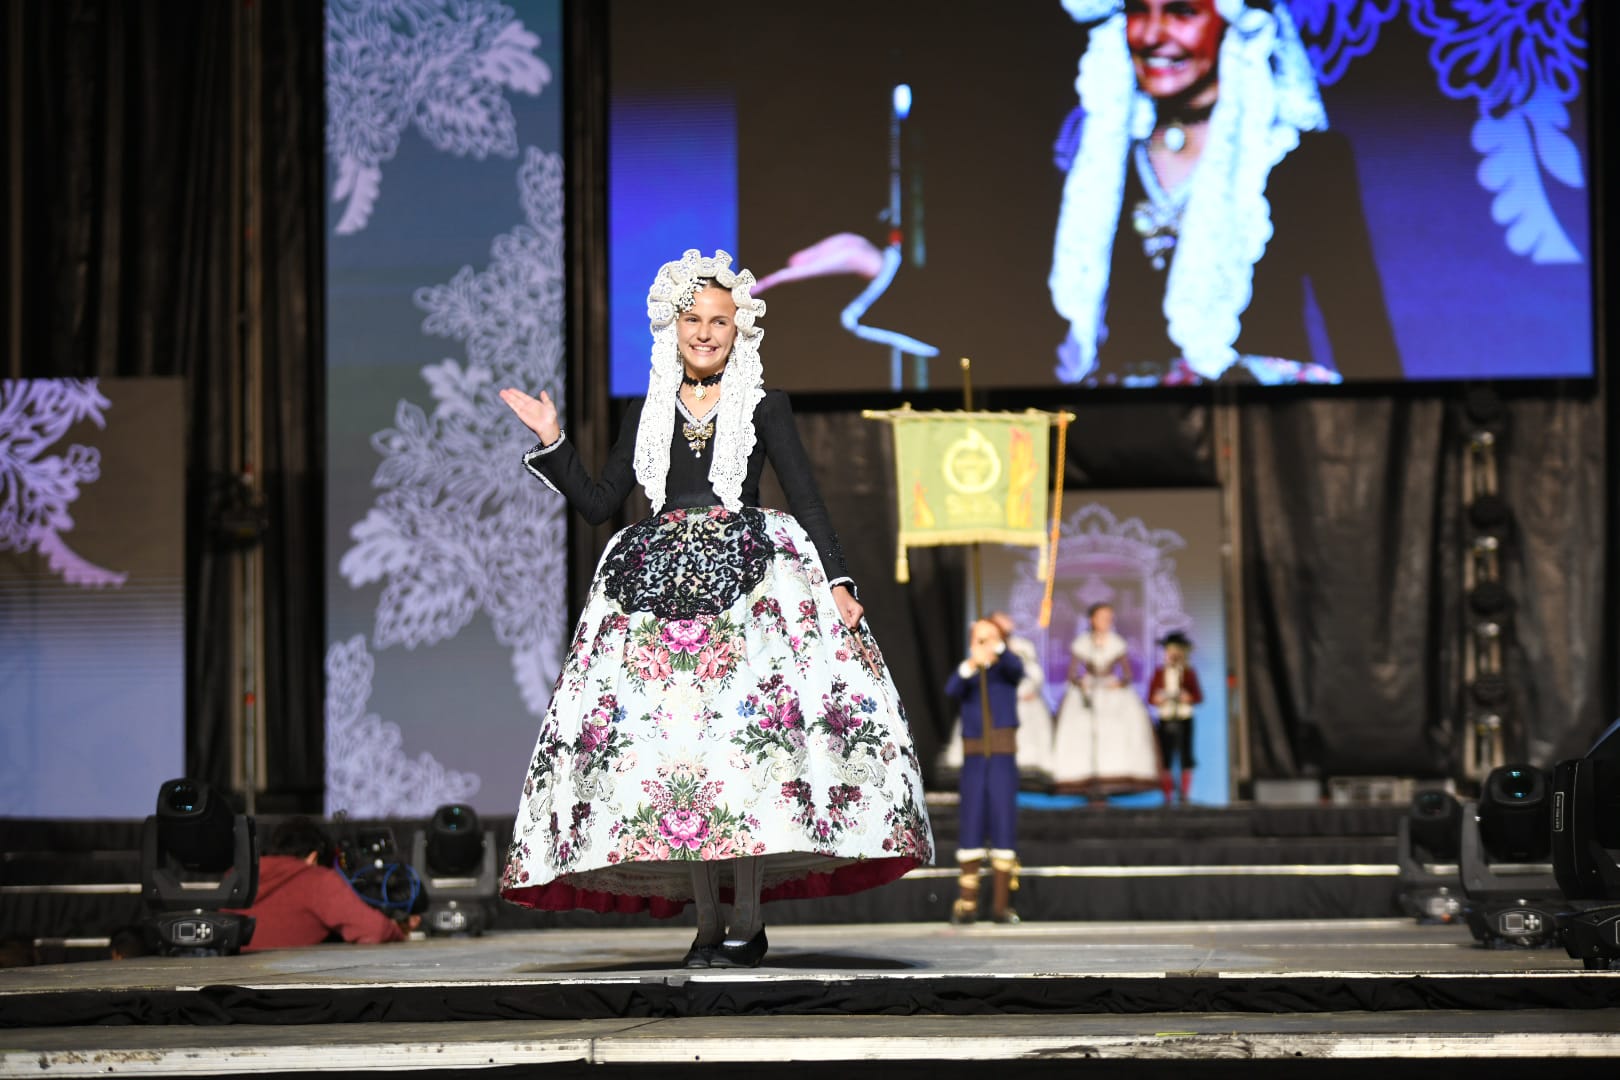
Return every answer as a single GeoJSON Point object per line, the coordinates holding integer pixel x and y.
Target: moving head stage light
{"type": "Point", "coordinates": [456, 860]}
{"type": "Point", "coordinates": [1428, 841]}
{"type": "Point", "coordinates": [197, 857]}
{"type": "Point", "coordinates": [1586, 851]}
{"type": "Point", "coordinates": [1512, 897]}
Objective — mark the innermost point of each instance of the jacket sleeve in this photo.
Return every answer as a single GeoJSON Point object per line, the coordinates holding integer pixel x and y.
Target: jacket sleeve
{"type": "Point", "coordinates": [1009, 667]}
{"type": "Point", "coordinates": [1191, 692]}
{"type": "Point", "coordinates": [559, 468]}
{"type": "Point", "coordinates": [340, 908]}
{"type": "Point", "coordinates": [792, 467]}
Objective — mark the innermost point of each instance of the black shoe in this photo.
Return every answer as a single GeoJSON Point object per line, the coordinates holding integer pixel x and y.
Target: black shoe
{"type": "Point", "coordinates": [699, 955]}
{"type": "Point", "coordinates": [747, 954]}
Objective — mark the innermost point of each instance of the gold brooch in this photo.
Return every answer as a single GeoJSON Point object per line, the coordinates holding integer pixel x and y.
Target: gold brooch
{"type": "Point", "coordinates": [697, 435]}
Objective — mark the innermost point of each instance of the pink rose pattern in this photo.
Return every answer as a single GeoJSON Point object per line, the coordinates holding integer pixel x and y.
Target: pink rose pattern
{"type": "Point", "coordinates": [623, 770]}
{"type": "Point", "coordinates": [707, 648]}
{"type": "Point", "coordinates": [682, 820]}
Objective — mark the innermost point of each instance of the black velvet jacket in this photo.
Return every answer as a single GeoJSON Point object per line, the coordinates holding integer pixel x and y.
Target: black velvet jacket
{"type": "Point", "coordinates": [687, 486]}
{"type": "Point", "coordinates": [1319, 242]}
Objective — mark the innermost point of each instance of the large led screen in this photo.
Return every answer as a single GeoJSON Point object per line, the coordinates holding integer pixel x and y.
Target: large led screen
{"type": "Point", "coordinates": [445, 560]}
{"type": "Point", "coordinates": [92, 595]}
{"type": "Point", "coordinates": [1115, 192]}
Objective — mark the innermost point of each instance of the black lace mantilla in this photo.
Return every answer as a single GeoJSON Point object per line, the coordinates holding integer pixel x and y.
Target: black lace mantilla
{"type": "Point", "coordinates": [689, 562]}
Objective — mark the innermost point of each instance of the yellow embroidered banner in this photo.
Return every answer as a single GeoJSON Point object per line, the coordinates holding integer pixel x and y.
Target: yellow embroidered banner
{"type": "Point", "coordinates": [969, 477]}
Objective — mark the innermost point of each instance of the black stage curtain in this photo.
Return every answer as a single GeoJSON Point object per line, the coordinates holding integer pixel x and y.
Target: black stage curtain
{"type": "Point", "coordinates": [1354, 542]}
{"type": "Point", "coordinates": [1346, 593]}
{"type": "Point", "coordinates": [128, 165]}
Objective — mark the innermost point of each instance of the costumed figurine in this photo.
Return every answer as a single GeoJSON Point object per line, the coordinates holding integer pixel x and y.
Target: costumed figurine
{"type": "Point", "coordinates": [1104, 744]}
{"type": "Point", "coordinates": [989, 781]}
{"type": "Point", "coordinates": [1173, 693]}
{"type": "Point", "coordinates": [1034, 716]}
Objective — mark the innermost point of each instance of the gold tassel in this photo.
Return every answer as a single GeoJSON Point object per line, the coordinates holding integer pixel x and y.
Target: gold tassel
{"type": "Point", "coordinates": [902, 566]}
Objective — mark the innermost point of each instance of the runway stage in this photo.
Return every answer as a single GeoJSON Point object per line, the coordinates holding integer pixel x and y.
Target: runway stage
{"type": "Point", "coordinates": [1033, 996]}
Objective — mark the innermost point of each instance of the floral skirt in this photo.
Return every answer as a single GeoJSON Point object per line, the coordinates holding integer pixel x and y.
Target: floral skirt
{"type": "Point", "coordinates": [713, 705]}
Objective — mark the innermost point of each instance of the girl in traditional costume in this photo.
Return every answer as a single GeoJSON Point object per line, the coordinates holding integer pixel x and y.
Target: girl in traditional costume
{"type": "Point", "coordinates": [724, 727]}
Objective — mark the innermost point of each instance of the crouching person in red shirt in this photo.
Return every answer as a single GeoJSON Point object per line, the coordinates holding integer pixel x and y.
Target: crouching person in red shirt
{"type": "Point", "coordinates": [303, 900]}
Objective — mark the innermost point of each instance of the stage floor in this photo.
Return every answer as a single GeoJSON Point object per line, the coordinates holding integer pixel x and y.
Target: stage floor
{"type": "Point", "coordinates": [910, 992]}
{"type": "Point", "coordinates": [1344, 948]}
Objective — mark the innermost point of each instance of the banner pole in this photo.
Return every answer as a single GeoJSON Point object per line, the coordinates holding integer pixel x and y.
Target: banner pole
{"type": "Point", "coordinates": [978, 582]}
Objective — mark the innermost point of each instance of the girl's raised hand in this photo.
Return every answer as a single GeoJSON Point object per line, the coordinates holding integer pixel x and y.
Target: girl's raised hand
{"type": "Point", "coordinates": [539, 415]}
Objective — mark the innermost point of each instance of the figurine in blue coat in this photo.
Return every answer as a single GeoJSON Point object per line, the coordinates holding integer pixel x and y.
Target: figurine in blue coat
{"type": "Point", "coordinates": [989, 783]}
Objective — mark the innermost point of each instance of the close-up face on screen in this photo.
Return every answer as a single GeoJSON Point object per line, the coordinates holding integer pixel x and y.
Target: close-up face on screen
{"type": "Point", "coordinates": [1115, 193]}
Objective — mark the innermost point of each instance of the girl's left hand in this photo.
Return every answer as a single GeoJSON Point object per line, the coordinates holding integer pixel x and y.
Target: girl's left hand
{"type": "Point", "coordinates": [849, 608]}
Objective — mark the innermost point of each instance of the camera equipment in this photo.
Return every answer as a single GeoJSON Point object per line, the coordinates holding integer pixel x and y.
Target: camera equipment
{"type": "Point", "coordinates": [368, 857]}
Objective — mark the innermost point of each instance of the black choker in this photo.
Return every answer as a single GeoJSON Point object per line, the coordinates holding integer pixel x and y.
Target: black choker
{"type": "Point", "coordinates": [702, 384]}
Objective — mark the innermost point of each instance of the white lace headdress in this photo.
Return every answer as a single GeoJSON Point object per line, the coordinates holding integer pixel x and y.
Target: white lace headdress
{"type": "Point", "coordinates": [673, 291]}
{"type": "Point", "coordinates": [1268, 95]}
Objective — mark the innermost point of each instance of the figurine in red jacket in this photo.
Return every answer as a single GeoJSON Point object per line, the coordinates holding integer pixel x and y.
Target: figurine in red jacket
{"type": "Point", "coordinates": [1173, 693]}
{"type": "Point", "coordinates": [303, 900]}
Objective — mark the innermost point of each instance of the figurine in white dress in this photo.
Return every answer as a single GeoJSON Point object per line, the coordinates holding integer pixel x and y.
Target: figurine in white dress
{"type": "Point", "coordinates": [1104, 743]}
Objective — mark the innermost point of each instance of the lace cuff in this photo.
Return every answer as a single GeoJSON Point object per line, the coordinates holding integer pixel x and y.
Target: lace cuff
{"type": "Point", "coordinates": [540, 450]}
{"type": "Point", "coordinates": [847, 582]}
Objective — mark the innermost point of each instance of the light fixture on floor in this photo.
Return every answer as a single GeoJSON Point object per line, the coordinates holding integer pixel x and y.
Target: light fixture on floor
{"type": "Point", "coordinates": [197, 857]}
{"type": "Point", "coordinates": [456, 861]}
{"type": "Point", "coordinates": [1429, 886]}
{"type": "Point", "coordinates": [1586, 852]}
{"type": "Point", "coordinates": [1505, 857]}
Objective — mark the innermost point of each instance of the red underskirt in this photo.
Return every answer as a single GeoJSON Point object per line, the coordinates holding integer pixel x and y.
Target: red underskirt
{"type": "Point", "coordinates": [853, 878]}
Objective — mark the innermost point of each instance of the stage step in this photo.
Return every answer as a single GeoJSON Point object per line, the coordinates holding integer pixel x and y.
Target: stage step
{"type": "Point", "coordinates": [738, 1046]}
{"type": "Point", "coordinates": [1264, 995]}
{"type": "Point", "coordinates": [68, 879]}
